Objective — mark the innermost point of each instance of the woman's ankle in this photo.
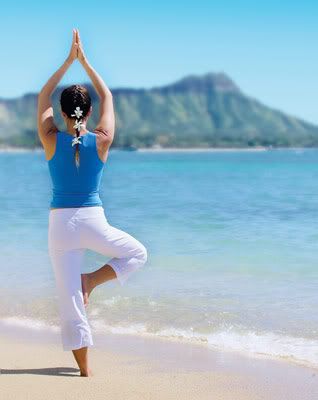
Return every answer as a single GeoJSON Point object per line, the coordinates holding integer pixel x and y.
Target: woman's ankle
{"type": "Point", "coordinates": [92, 280]}
{"type": "Point", "coordinates": [86, 372]}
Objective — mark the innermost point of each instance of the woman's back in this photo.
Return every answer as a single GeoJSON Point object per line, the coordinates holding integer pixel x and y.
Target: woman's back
{"type": "Point", "coordinates": [72, 186]}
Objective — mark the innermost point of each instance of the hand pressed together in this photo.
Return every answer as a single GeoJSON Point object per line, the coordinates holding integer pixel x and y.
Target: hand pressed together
{"type": "Point", "coordinates": [76, 51]}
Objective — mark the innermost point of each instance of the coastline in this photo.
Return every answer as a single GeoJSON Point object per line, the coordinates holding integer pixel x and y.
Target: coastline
{"type": "Point", "coordinates": [13, 149]}
{"type": "Point", "coordinates": [200, 149]}
{"type": "Point", "coordinates": [283, 349]}
{"type": "Point", "coordinates": [141, 368]}
{"type": "Point", "coordinates": [19, 150]}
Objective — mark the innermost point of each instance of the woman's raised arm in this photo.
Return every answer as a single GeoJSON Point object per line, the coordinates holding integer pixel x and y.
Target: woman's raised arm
{"type": "Point", "coordinates": [106, 123]}
{"type": "Point", "coordinates": [46, 125]}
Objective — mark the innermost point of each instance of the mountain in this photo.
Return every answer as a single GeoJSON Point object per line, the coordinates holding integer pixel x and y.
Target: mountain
{"type": "Point", "coordinates": [196, 111]}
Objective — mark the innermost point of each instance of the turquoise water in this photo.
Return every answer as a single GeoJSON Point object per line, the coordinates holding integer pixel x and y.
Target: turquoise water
{"type": "Point", "coordinates": [232, 240]}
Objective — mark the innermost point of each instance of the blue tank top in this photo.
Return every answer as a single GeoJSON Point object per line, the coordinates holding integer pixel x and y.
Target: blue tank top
{"type": "Point", "coordinates": [72, 186]}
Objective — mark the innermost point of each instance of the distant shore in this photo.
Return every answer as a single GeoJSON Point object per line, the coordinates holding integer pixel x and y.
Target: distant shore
{"type": "Point", "coordinates": [13, 149]}
{"type": "Point", "coordinates": [202, 149]}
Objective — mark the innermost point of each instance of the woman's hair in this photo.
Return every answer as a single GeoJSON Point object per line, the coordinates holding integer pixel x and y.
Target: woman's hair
{"type": "Point", "coordinates": [72, 97]}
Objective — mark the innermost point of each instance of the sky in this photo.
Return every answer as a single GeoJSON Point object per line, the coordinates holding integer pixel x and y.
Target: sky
{"type": "Point", "coordinates": [269, 48]}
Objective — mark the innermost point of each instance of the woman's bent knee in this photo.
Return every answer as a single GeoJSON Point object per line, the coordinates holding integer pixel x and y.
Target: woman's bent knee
{"type": "Point", "coordinates": [142, 254]}
{"type": "Point", "coordinates": [126, 266]}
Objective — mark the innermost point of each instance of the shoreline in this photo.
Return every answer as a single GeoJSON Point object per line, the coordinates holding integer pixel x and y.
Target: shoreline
{"type": "Point", "coordinates": [142, 368]}
{"type": "Point", "coordinates": [13, 149]}
{"type": "Point", "coordinates": [200, 149]}
{"type": "Point", "coordinates": [42, 332]}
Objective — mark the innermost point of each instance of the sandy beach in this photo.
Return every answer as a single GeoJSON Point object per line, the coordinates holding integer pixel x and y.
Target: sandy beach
{"type": "Point", "coordinates": [133, 368]}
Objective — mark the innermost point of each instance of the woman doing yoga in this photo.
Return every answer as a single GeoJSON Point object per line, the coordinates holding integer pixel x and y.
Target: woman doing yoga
{"type": "Point", "coordinates": [76, 158]}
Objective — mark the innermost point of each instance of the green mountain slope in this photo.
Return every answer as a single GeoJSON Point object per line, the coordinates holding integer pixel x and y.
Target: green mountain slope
{"type": "Point", "coordinates": [197, 111]}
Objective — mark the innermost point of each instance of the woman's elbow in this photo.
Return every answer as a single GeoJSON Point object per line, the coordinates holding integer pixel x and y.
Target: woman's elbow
{"type": "Point", "coordinates": [106, 95]}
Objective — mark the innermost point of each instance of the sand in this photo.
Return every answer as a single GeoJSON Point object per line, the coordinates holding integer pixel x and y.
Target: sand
{"type": "Point", "coordinates": [134, 368]}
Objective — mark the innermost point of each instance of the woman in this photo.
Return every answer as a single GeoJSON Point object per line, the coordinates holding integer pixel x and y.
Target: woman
{"type": "Point", "coordinates": [76, 158]}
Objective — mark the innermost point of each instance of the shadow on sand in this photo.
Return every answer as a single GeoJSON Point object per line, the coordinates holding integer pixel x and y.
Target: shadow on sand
{"type": "Point", "coordinates": [58, 371]}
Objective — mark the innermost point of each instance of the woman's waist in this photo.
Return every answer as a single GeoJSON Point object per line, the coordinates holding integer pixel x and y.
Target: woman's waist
{"type": "Point", "coordinates": [76, 212]}
{"type": "Point", "coordinates": [75, 191]}
{"type": "Point", "coordinates": [75, 208]}
{"type": "Point", "coordinates": [75, 200]}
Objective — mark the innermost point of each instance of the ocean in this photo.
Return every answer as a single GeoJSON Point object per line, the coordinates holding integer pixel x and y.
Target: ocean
{"type": "Point", "coordinates": [232, 240]}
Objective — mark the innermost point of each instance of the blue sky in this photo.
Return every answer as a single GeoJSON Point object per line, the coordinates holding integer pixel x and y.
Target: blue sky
{"type": "Point", "coordinates": [268, 48]}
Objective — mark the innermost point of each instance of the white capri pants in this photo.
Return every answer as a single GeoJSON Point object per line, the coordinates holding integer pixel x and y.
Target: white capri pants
{"type": "Point", "coordinates": [72, 231]}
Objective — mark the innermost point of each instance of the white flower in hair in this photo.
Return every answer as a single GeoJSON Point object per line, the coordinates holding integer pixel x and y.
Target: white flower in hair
{"type": "Point", "coordinates": [79, 125]}
{"type": "Point", "coordinates": [76, 140]}
{"type": "Point", "coordinates": [77, 113]}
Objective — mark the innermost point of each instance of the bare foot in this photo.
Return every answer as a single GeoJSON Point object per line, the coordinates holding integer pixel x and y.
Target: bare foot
{"type": "Point", "coordinates": [87, 287]}
{"type": "Point", "coordinates": [87, 372]}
